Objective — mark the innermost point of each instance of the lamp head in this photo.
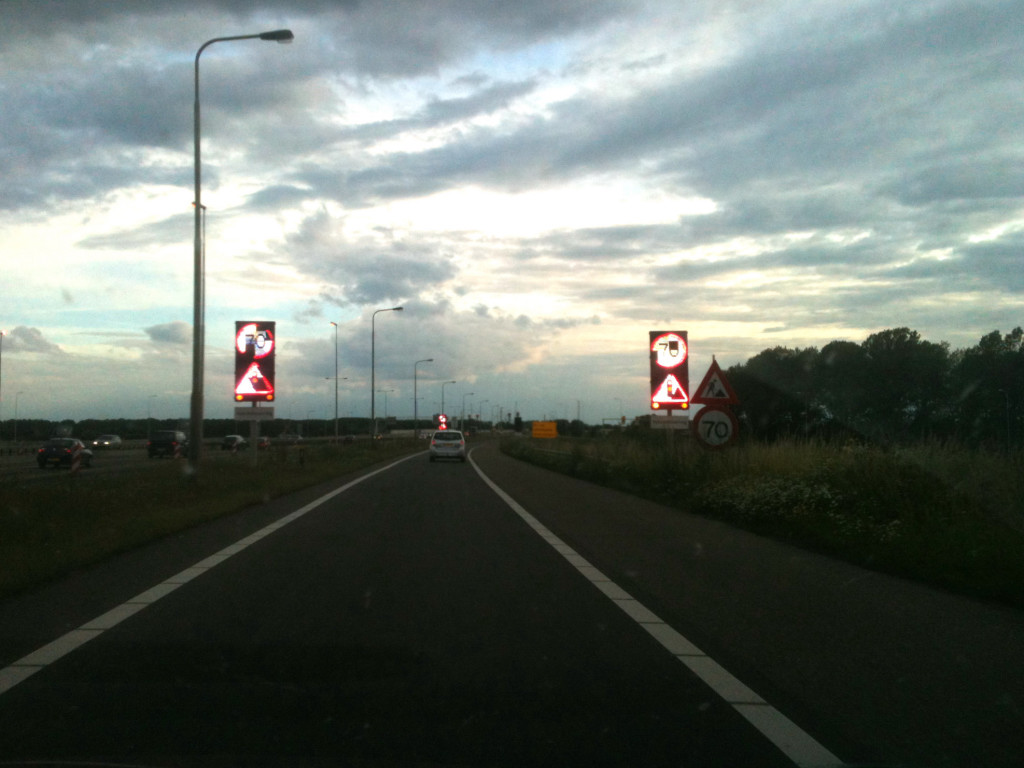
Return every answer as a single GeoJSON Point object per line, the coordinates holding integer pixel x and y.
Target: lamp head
{"type": "Point", "coordinates": [278, 35]}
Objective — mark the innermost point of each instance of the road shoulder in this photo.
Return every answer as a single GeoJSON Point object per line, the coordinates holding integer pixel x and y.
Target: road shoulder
{"type": "Point", "coordinates": [878, 667]}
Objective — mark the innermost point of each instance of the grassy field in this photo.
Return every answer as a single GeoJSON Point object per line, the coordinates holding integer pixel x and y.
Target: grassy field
{"type": "Point", "coordinates": [941, 514]}
{"type": "Point", "coordinates": [49, 528]}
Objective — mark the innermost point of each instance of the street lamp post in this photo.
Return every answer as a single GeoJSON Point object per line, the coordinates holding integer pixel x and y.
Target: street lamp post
{"type": "Point", "coordinates": [415, 398]}
{"type": "Point", "coordinates": [2, 334]}
{"type": "Point", "coordinates": [443, 385]}
{"type": "Point", "coordinates": [335, 381]}
{"type": "Point", "coordinates": [462, 413]}
{"type": "Point", "coordinates": [373, 367]}
{"type": "Point", "coordinates": [16, 396]}
{"type": "Point", "coordinates": [198, 330]}
{"type": "Point", "coordinates": [385, 393]}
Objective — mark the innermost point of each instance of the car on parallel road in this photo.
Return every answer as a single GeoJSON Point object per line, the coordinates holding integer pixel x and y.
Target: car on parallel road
{"type": "Point", "coordinates": [62, 452]}
{"type": "Point", "coordinates": [167, 442]}
{"type": "Point", "coordinates": [448, 444]}
{"type": "Point", "coordinates": [234, 443]}
{"type": "Point", "coordinates": [107, 442]}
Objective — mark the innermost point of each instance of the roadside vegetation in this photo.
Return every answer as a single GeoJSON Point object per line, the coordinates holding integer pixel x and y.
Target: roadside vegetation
{"type": "Point", "coordinates": [942, 514]}
{"type": "Point", "coordinates": [50, 528]}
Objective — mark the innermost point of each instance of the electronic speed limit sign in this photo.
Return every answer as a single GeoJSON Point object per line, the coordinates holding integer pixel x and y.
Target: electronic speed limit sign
{"type": "Point", "coordinates": [715, 427]}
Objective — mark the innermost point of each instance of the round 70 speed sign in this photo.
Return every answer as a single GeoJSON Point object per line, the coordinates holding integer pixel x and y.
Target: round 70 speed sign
{"type": "Point", "coordinates": [715, 427]}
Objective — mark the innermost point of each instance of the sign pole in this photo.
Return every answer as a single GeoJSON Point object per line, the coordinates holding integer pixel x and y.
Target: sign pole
{"type": "Point", "coordinates": [254, 437]}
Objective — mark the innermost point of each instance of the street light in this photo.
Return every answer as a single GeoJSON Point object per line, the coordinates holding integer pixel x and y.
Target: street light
{"type": "Point", "coordinates": [149, 414]}
{"type": "Point", "coordinates": [373, 367]}
{"type": "Point", "coordinates": [443, 385]}
{"type": "Point", "coordinates": [415, 398]}
{"type": "Point", "coordinates": [335, 381]}
{"type": "Point", "coordinates": [462, 414]}
{"type": "Point", "coordinates": [16, 396]}
{"type": "Point", "coordinates": [198, 330]}
{"type": "Point", "coordinates": [385, 391]}
{"type": "Point", "coordinates": [2, 334]}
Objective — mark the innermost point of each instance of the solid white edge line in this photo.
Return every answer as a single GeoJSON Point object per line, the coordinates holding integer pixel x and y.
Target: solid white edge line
{"type": "Point", "coordinates": [787, 736]}
{"type": "Point", "coordinates": [39, 659]}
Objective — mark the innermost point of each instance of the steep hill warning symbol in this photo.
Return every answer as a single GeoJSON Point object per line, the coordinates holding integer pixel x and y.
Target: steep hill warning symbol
{"type": "Point", "coordinates": [670, 393]}
{"type": "Point", "coordinates": [254, 383]}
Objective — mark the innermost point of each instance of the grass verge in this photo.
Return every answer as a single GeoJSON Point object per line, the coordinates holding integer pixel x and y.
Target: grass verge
{"type": "Point", "coordinates": [48, 529]}
{"type": "Point", "coordinates": [943, 515]}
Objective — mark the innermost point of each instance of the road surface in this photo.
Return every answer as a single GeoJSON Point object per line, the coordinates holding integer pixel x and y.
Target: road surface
{"type": "Point", "coordinates": [493, 614]}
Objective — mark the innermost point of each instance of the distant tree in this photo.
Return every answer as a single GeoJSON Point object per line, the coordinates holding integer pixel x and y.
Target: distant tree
{"type": "Point", "coordinates": [987, 388]}
{"type": "Point", "coordinates": [776, 392]}
{"type": "Point", "coordinates": [907, 379]}
{"type": "Point", "coordinates": [843, 385]}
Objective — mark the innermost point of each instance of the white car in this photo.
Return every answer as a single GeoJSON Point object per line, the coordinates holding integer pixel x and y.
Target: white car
{"type": "Point", "coordinates": [447, 444]}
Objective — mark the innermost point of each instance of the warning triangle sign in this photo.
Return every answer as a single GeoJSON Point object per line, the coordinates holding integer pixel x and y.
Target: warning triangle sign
{"type": "Point", "coordinates": [670, 393]}
{"type": "Point", "coordinates": [254, 383]}
{"type": "Point", "coordinates": [715, 389]}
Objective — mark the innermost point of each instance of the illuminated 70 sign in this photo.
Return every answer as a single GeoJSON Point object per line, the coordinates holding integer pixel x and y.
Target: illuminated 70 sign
{"type": "Point", "coordinates": [254, 361]}
{"type": "Point", "coordinates": [670, 370]}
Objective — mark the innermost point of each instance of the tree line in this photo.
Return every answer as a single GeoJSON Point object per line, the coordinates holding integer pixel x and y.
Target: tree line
{"type": "Point", "coordinates": [893, 387]}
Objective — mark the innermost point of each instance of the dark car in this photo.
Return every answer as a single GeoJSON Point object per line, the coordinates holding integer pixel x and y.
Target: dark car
{"type": "Point", "coordinates": [234, 443]}
{"type": "Point", "coordinates": [62, 451]}
{"type": "Point", "coordinates": [107, 442]}
{"type": "Point", "coordinates": [167, 442]}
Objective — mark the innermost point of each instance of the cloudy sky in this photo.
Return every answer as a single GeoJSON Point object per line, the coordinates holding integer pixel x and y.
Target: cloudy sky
{"type": "Point", "coordinates": [537, 183]}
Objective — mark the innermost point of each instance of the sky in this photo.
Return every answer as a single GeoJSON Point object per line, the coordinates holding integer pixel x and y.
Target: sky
{"type": "Point", "coordinates": [538, 184]}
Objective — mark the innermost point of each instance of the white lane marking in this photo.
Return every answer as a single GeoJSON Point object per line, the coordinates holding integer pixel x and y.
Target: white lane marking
{"type": "Point", "coordinates": [792, 740]}
{"type": "Point", "coordinates": [25, 667]}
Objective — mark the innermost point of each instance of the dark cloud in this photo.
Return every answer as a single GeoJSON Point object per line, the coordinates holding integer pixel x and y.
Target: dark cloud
{"type": "Point", "coordinates": [365, 272]}
{"type": "Point", "coordinates": [26, 339]}
{"type": "Point", "coordinates": [177, 333]}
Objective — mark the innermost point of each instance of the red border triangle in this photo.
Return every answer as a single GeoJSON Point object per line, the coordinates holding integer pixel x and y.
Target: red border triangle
{"type": "Point", "coordinates": [715, 373]}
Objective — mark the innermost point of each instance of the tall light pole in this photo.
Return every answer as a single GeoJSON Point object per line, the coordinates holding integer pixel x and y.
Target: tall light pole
{"type": "Point", "coordinates": [2, 334]}
{"type": "Point", "coordinates": [16, 396]}
{"type": "Point", "coordinates": [195, 442]}
{"type": "Point", "coordinates": [373, 367]}
{"type": "Point", "coordinates": [385, 393]}
{"type": "Point", "coordinates": [149, 414]}
{"type": "Point", "coordinates": [443, 385]}
{"type": "Point", "coordinates": [462, 413]}
{"type": "Point", "coordinates": [415, 398]}
{"type": "Point", "coordinates": [335, 381]}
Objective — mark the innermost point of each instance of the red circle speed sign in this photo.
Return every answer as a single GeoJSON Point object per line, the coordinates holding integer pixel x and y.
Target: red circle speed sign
{"type": "Point", "coordinates": [715, 427]}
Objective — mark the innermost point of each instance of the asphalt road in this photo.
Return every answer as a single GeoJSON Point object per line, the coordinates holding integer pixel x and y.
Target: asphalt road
{"type": "Point", "coordinates": [420, 617]}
